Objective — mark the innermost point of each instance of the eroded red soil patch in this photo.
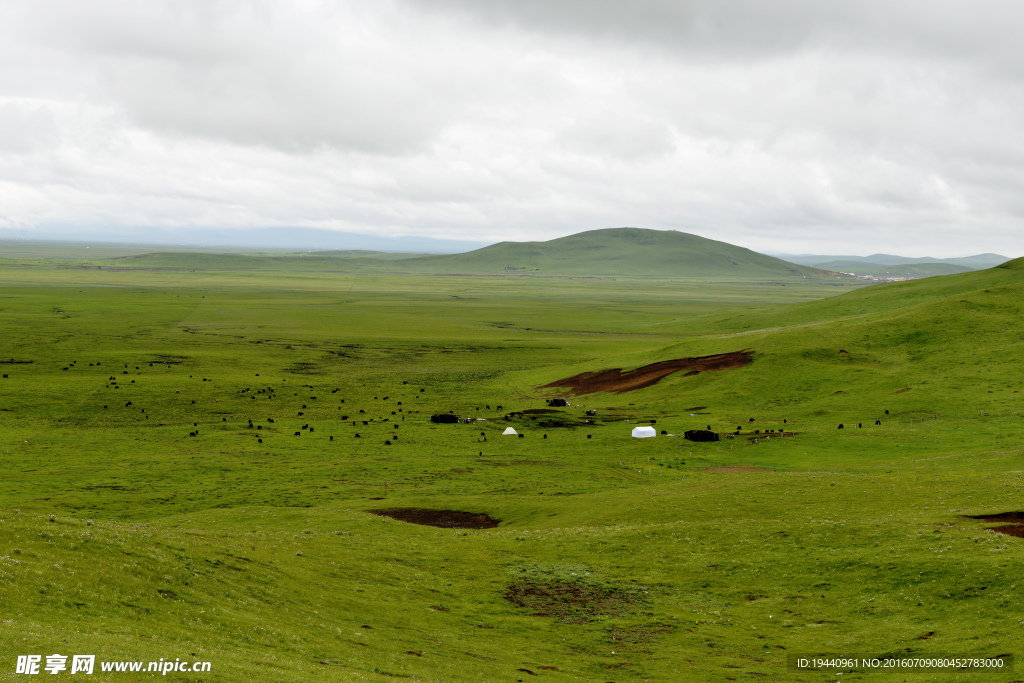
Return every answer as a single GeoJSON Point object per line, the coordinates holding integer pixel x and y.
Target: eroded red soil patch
{"type": "Point", "coordinates": [1016, 517]}
{"type": "Point", "coordinates": [615, 380]}
{"type": "Point", "coordinates": [1015, 528]}
{"type": "Point", "coordinates": [445, 519]}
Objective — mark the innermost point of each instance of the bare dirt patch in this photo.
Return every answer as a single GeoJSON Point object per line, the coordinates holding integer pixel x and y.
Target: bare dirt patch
{"type": "Point", "coordinates": [445, 519]}
{"type": "Point", "coordinates": [1016, 517]}
{"type": "Point", "coordinates": [574, 602]}
{"type": "Point", "coordinates": [615, 380]}
{"type": "Point", "coordinates": [1015, 528]}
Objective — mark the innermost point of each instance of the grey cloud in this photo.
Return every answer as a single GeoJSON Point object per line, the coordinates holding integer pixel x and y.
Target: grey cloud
{"type": "Point", "coordinates": [854, 127]}
{"type": "Point", "coordinates": [275, 75]}
{"type": "Point", "coordinates": [279, 108]}
{"type": "Point", "coordinates": [736, 28]}
{"type": "Point", "coordinates": [26, 127]}
{"type": "Point", "coordinates": [617, 135]}
{"type": "Point", "coordinates": [753, 29]}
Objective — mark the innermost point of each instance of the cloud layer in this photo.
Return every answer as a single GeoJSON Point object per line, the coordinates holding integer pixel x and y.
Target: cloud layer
{"type": "Point", "coordinates": [836, 127]}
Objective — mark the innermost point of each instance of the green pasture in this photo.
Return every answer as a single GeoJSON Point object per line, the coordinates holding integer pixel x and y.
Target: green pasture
{"type": "Point", "coordinates": [615, 559]}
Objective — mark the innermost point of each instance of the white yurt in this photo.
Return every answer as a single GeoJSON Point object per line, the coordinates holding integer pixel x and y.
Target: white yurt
{"type": "Point", "coordinates": [643, 432]}
{"type": "Point", "coordinates": [509, 430]}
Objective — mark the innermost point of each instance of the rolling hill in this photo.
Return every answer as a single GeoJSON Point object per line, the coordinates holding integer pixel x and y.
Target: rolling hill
{"type": "Point", "coordinates": [615, 251]}
{"type": "Point", "coordinates": [623, 252]}
{"type": "Point", "coordinates": [938, 345]}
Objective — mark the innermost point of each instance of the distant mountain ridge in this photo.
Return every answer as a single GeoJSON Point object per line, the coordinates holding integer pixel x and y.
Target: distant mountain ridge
{"type": "Point", "coordinates": [604, 252]}
{"type": "Point", "coordinates": [976, 262]}
{"type": "Point", "coordinates": [613, 251]}
{"type": "Point", "coordinates": [899, 270]}
{"type": "Point", "coordinates": [249, 238]}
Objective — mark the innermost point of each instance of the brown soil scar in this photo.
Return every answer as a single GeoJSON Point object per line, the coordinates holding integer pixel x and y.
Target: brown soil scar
{"type": "Point", "coordinates": [445, 519]}
{"type": "Point", "coordinates": [648, 375]}
{"type": "Point", "coordinates": [1014, 528]}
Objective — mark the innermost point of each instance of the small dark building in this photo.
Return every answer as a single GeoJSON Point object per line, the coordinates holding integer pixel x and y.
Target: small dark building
{"type": "Point", "coordinates": [700, 435]}
{"type": "Point", "coordinates": [444, 418]}
{"type": "Point", "coordinates": [558, 403]}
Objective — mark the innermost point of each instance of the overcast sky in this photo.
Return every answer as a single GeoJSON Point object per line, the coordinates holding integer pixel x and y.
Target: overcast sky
{"type": "Point", "coordinates": [786, 126]}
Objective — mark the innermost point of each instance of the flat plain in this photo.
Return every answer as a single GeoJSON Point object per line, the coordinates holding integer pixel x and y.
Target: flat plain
{"type": "Point", "coordinates": [191, 445]}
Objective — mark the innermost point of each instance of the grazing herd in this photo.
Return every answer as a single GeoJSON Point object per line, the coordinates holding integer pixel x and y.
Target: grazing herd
{"type": "Point", "coordinates": [270, 393]}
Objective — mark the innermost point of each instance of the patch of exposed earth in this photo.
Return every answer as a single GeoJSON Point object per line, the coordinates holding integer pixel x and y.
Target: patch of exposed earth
{"type": "Point", "coordinates": [615, 380]}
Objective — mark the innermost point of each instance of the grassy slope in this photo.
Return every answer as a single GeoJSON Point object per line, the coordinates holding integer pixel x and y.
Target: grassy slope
{"type": "Point", "coordinates": [259, 558]}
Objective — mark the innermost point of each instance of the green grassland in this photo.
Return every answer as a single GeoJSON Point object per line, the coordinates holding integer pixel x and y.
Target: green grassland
{"type": "Point", "coordinates": [616, 559]}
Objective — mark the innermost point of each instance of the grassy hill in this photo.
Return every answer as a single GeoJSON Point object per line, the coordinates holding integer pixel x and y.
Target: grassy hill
{"type": "Point", "coordinates": [629, 252]}
{"type": "Point", "coordinates": [938, 345]}
{"type": "Point", "coordinates": [616, 251]}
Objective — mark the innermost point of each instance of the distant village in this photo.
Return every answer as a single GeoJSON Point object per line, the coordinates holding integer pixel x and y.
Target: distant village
{"type": "Point", "coordinates": [875, 278]}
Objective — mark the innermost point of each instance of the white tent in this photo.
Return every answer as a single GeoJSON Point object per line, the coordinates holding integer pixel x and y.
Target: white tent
{"type": "Point", "coordinates": [509, 430]}
{"type": "Point", "coordinates": [643, 432]}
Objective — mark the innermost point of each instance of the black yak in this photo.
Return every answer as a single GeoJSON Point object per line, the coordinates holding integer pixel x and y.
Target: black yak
{"type": "Point", "coordinates": [700, 435]}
